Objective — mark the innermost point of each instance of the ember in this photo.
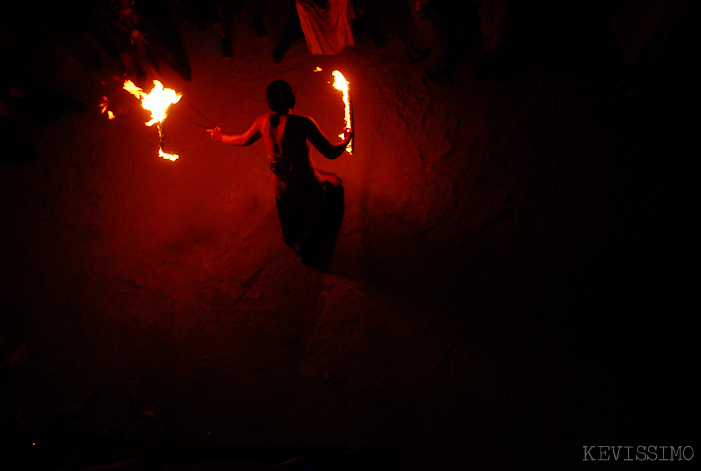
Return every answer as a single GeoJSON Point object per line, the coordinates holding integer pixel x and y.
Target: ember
{"type": "Point", "coordinates": [340, 83]}
{"type": "Point", "coordinates": [103, 108]}
{"type": "Point", "coordinates": [158, 102]}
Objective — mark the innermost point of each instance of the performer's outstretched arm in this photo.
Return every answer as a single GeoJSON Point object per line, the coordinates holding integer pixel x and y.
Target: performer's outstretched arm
{"type": "Point", "coordinates": [321, 142]}
{"type": "Point", "coordinates": [245, 139]}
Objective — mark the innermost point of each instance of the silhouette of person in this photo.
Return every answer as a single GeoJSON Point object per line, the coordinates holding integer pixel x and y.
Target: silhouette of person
{"type": "Point", "coordinates": [23, 100]}
{"type": "Point", "coordinates": [304, 194]}
{"type": "Point", "coordinates": [291, 32]}
{"type": "Point", "coordinates": [123, 24]}
{"type": "Point", "coordinates": [218, 14]}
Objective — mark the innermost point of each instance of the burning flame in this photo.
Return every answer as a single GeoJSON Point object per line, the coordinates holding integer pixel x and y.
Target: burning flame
{"type": "Point", "coordinates": [158, 102]}
{"type": "Point", "coordinates": [340, 83]}
{"type": "Point", "coordinates": [318, 69]}
{"type": "Point", "coordinates": [103, 108]}
{"type": "Point", "coordinates": [167, 156]}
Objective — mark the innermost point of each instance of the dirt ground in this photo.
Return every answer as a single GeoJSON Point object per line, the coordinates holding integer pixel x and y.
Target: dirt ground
{"type": "Point", "coordinates": [508, 283]}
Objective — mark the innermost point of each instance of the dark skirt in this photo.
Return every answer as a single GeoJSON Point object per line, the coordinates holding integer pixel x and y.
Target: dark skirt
{"type": "Point", "coordinates": [306, 198]}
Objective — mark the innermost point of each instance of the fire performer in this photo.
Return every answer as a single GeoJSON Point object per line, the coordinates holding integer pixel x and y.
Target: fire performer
{"type": "Point", "coordinates": [303, 193]}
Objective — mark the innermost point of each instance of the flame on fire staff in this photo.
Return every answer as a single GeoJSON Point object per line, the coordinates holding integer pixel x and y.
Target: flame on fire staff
{"type": "Point", "coordinates": [340, 83]}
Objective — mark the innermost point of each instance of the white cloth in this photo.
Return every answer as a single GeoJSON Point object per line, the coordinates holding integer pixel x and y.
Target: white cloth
{"type": "Point", "coordinates": [327, 27]}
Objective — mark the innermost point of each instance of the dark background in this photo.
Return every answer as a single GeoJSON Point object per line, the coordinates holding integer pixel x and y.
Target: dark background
{"type": "Point", "coordinates": [513, 278]}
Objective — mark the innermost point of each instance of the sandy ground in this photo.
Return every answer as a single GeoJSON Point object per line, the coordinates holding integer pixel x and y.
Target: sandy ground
{"type": "Point", "coordinates": [507, 285]}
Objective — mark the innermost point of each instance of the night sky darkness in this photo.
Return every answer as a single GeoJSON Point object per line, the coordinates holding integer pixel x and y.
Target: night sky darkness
{"type": "Point", "coordinates": [513, 280]}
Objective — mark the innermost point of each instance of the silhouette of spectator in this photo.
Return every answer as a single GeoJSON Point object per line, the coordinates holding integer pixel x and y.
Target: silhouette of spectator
{"type": "Point", "coordinates": [207, 12]}
{"type": "Point", "coordinates": [303, 193]}
{"type": "Point", "coordinates": [437, 31]}
{"type": "Point", "coordinates": [164, 42]}
{"type": "Point", "coordinates": [123, 25]}
{"type": "Point", "coordinates": [63, 25]}
{"type": "Point", "coordinates": [203, 12]}
{"type": "Point", "coordinates": [134, 37]}
{"type": "Point", "coordinates": [255, 19]}
{"type": "Point", "coordinates": [496, 22]}
{"type": "Point", "coordinates": [291, 32]}
{"type": "Point", "coordinates": [21, 98]}
{"type": "Point", "coordinates": [367, 20]}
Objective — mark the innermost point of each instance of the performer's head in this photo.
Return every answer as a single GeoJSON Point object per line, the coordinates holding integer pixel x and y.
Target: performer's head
{"type": "Point", "coordinates": [280, 96]}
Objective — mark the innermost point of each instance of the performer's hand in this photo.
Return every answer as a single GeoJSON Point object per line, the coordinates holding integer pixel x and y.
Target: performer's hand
{"type": "Point", "coordinates": [216, 133]}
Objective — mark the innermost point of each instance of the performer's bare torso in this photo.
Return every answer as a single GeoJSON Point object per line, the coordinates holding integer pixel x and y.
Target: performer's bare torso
{"type": "Point", "coordinates": [285, 136]}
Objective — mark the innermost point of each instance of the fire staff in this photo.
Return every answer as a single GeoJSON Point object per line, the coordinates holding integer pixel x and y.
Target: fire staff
{"type": "Point", "coordinates": [302, 192]}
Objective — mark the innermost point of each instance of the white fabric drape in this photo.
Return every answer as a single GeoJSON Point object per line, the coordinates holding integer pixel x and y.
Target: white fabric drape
{"type": "Point", "coordinates": [327, 27]}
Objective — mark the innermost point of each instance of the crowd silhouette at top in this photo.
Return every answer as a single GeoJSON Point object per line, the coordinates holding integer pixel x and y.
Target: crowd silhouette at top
{"type": "Point", "coordinates": [496, 38]}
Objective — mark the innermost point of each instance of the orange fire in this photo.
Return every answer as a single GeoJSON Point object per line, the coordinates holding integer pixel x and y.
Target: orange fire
{"type": "Point", "coordinates": [158, 102]}
{"type": "Point", "coordinates": [340, 83]}
{"type": "Point", "coordinates": [167, 156]}
{"type": "Point", "coordinates": [103, 108]}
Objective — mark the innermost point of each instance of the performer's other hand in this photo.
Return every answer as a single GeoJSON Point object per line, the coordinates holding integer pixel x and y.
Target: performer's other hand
{"type": "Point", "coordinates": [216, 133]}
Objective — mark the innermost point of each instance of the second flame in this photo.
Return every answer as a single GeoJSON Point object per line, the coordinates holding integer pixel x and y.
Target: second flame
{"type": "Point", "coordinates": [340, 83]}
